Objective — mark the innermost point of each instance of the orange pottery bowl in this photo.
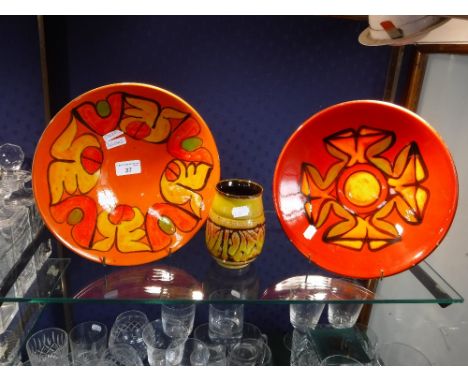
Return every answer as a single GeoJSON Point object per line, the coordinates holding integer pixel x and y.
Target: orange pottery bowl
{"type": "Point", "coordinates": [125, 174]}
{"type": "Point", "coordinates": [365, 189]}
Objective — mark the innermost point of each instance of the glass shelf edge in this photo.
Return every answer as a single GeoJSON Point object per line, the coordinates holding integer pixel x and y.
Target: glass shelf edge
{"type": "Point", "coordinates": [62, 300]}
{"type": "Point", "coordinates": [45, 284]}
{"type": "Point", "coordinates": [54, 269]}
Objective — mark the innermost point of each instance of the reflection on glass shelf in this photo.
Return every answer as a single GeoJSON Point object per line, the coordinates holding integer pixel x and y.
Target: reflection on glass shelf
{"type": "Point", "coordinates": [318, 288]}
{"type": "Point", "coordinates": [191, 274]}
{"type": "Point", "coordinates": [144, 283]}
{"type": "Point", "coordinates": [46, 286]}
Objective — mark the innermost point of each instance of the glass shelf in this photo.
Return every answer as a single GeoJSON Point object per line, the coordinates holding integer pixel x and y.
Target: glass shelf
{"type": "Point", "coordinates": [47, 286]}
{"type": "Point", "coordinates": [190, 275]}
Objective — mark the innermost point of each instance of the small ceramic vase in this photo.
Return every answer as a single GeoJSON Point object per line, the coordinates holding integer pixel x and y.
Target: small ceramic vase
{"type": "Point", "coordinates": [235, 229]}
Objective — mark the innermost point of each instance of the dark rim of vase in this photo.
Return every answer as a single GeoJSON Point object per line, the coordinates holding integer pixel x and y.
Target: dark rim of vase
{"type": "Point", "coordinates": [239, 188]}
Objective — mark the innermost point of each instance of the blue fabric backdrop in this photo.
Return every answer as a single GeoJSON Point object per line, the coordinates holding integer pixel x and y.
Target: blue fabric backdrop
{"type": "Point", "coordinates": [253, 79]}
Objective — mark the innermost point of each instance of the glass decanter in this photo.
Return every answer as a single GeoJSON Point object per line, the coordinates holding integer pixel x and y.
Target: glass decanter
{"type": "Point", "coordinates": [7, 248]}
{"type": "Point", "coordinates": [20, 223]}
{"type": "Point", "coordinates": [16, 227]}
{"type": "Point", "coordinates": [17, 197]}
{"type": "Point", "coordinates": [18, 208]}
{"type": "Point", "coordinates": [11, 157]}
{"type": "Point", "coordinates": [8, 310]}
{"type": "Point", "coordinates": [14, 180]}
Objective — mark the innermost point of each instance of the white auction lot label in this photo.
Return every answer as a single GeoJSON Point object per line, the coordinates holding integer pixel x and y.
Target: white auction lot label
{"type": "Point", "coordinates": [239, 212]}
{"type": "Point", "coordinates": [129, 167]}
{"type": "Point", "coordinates": [110, 144]}
{"type": "Point", "coordinates": [113, 134]}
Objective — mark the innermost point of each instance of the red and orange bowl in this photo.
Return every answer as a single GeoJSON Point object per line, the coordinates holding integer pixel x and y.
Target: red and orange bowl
{"type": "Point", "coordinates": [365, 189]}
{"type": "Point", "coordinates": [125, 174]}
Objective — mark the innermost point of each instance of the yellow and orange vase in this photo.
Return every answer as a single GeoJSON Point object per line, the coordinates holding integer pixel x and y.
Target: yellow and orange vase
{"type": "Point", "coordinates": [235, 229]}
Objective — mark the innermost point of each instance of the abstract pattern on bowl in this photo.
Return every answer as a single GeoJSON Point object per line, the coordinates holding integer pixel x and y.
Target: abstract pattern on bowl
{"type": "Point", "coordinates": [125, 174]}
{"type": "Point", "coordinates": [358, 189]}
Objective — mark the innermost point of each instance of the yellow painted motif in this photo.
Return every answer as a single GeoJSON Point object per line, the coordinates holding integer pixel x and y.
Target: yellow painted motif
{"type": "Point", "coordinates": [163, 126]}
{"type": "Point", "coordinates": [141, 110]}
{"type": "Point", "coordinates": [362, 146]}
{"type": "Point", "coordinates": [363, 231]}
{"type": "Point", "coordinates": [125, 235]}
{"type": "Point", "coordinates": [149, 113]}
{"type": "Point", "coordinates": [232, 245]}
{"type": "Point", "coordinates": [409, 172]}
{"type": "Point", "coordinates": [362, 188]}
{"type": "Point", "coordinates": [189, 178]}
{"type": "Point", "coordinates": [319, 189]}
{"type": "Point", "coordinates": [66, 172]}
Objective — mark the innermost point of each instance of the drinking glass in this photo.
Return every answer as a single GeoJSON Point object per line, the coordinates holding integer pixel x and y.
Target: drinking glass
{"type": "Point", "coordinates": [303, 352]}
{"type": "Point", "coordinates": [187, 352]}
{"type": "Point", "coordinates": [220, 346]}
{"type": "Point", "coordinates": [267, 358]}
{"type": "Point", "coordinates": [306, 357]}
{"type": "Point", "coordinates": [296, 342]}
{"type": "Point", "coordinates": [368, 341]}
{"type": "Point", "coordinates": [250, 330]}
{"type": "Point", "coordinates": [358, 342]}
{"type": "Point", "coordinates": [156, 341]}
{"type": "Point", "coordinates": [178, 319]}
{"type": "Point", "coordinates": [225, 319]}
{"type": "Point", "coordinates": [217, 355]}
{"type": "Point", "coordinates": [120, 355]}
{"type": "Point", "coordinates": [88, 358]}
{"type": "Point", "coordinates": [246, 352]}
{"type": "Point", "coordinates": [87, 339]}
{"type": "Point", "coordinates": [343, 315]}
{"type": "Point", "coordinates": [217, 347]}
{"type": "Point", "coordinates": [400, 354]}
{"type": "Point", "coordinates": [127, 329]}
{"type": "Point", "coordinates": [340, 360]}
{"type": "Point", "coordinates": [9, 347]}
{"type": "Point", "coordinates": [305, 316]}
{"type": "Point", "coordinates": [48, 347]}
